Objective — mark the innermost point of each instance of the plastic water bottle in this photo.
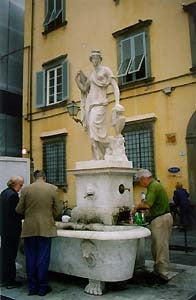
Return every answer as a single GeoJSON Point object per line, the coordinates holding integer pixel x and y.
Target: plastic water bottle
{"type": "Point", "coordinates": [130, 218]}
{"type": "Point", "coordinates": [143, 217]}
{"type": "Point", "coordinates": [143, 196]}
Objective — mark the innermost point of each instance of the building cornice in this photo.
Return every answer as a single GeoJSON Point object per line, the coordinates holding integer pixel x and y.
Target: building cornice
{"type": "Point", "coordinates": [53, 133]}
{"type": "Point", "coordinates": [136, 26]}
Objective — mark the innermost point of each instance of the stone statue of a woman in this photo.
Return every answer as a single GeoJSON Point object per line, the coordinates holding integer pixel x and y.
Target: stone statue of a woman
{"type": "Point", "coordinates": [94, 103]}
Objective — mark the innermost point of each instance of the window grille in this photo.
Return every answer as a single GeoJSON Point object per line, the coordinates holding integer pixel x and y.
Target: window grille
{"type": "Point", "coordinates": [139, 146]}
{"type": "Point", "coordinates": [54, 160]}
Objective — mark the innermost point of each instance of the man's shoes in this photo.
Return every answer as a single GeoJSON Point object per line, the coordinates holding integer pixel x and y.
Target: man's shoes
{"type": "Point", "coordinates": [33, 293]}
{"type": "Point", "coordinates": [2, 284]}
{"type": "Point", "coordinates": [45, 292]}
{"type": "Point", "coordinates": [182, 230]}
{"type": "Point", "coordinates": [13, 285]}
{"type": "Point", "coordinates": [161, 278]}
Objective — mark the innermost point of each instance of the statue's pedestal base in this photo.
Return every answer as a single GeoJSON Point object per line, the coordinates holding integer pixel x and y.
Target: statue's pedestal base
{"type": "Point", "coordinates": [98, 199]}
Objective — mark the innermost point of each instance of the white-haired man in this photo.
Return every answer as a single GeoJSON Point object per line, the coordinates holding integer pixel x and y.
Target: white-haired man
{"type": "Point", "coordinates": [161, 221]}
{"type": "Point", "coordinates": [10, 230]}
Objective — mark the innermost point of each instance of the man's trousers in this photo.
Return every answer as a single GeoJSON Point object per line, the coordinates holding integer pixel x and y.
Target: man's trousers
{"type": "Point", "coordinates": [37, 252]}
{"type": "Point", "coordinates": [8, 253]}
{"type": "Point", "coordinates": [161, 228]}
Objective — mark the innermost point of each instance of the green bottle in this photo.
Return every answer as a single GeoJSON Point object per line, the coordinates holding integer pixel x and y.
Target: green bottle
{"type": "Point", "coordinates": [138, 218]}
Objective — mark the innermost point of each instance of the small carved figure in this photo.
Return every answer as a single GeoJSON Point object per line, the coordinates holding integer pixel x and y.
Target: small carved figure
{"type": "Point", "coordinates": [118, 120]}
{"type": "Point", "coordinates": [116, 149]}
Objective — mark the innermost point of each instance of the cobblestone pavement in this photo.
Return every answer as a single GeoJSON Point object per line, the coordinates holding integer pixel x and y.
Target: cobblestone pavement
{"type": "Point", "coordinates": [182, 285]}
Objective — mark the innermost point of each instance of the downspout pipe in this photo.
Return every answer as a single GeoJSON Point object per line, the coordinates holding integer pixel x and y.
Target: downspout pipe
{"type": "Point", "coordinates": [30, 99]}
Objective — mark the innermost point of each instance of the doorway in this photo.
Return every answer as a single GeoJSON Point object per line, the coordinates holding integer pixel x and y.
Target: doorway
{"type": "Point", "coordinates": [191, 156]}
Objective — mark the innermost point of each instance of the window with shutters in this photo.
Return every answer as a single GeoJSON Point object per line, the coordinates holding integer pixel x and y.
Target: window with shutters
{"type": "Point", "coordinates": [191, 10]}
{"type": "Point", "coordinates": [54, 159]}
{"type": "Point", "coordinates": [54, 14]}
{"type": "Point", "coordinates": [52, 83]}
{"type": "Point", "coordinates": [139, 145]}
{"type": "Point", "coordinates": [133, 53]}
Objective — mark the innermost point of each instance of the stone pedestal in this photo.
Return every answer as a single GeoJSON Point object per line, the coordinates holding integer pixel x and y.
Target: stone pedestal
{"type": "Point", "coordinates": [98, 199]}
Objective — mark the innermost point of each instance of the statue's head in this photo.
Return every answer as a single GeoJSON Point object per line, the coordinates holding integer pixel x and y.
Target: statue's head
{"type": "Point", "coordinates": [95, 54]}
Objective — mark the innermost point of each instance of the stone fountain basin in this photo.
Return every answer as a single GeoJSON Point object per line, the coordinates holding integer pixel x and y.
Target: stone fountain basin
{"type": "Point", "coordinates": [98, 252]}
{"type": "Point", "coordinates": [102, 232]}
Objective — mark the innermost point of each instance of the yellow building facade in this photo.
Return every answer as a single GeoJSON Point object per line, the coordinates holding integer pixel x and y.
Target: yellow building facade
{"type": "Point", "coordinates": [151, 49]}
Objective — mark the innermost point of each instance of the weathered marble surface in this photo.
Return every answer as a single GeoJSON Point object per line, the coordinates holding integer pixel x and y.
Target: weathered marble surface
{"type": "Point", "coordinates": [94, 103]}
{"type": "Point", "coordinates": [98, 199]}
{"type": "Point", "coordinates": [101, 232]}
{"type": "Point", "coordinates": [98, 252]}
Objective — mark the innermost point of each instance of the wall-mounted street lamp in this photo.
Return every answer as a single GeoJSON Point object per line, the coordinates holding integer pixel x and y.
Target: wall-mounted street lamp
{"type": "Point", "coordinates": [25, 151]}
{"type": "Point", "coordinates": [73, 110]}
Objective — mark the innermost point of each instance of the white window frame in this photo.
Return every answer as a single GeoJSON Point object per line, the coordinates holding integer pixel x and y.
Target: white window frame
{"type": "Point", "coordinates": [55, 85]}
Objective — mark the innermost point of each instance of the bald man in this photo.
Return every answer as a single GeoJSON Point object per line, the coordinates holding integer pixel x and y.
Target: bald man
{"type": "Point", "coordinates": [11, 224]}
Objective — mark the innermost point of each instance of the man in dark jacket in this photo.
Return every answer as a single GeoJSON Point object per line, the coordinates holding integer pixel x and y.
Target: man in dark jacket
{"type": "Point", "coordinates": [10, 231]}
{"type": "Point", "coordinates": [181, 199]}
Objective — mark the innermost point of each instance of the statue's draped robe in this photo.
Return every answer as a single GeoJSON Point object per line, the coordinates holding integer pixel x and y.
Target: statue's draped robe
{"type": "Point", "coordinates": [96, 104]}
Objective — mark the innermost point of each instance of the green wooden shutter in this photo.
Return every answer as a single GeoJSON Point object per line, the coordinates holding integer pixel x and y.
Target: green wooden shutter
{"type": "Point", "coordinates": [40, 89]}
{"type": "Point", "coordinates": [64, 10]}
{"type": "Point", "coordinates": [59, 9]}
{"type": "Point", "coordinates": [192, 28]}
{"type": "Point", "coordinates": [139, 50]}
{"type": "Point", "coordinates": [126, 49]}
{"type": "Point", "coordinates": [125, 57]}
{"type": "Point", "coordinates": [65, 68]}
{"type": "Point", "coordinates": [46, 13]}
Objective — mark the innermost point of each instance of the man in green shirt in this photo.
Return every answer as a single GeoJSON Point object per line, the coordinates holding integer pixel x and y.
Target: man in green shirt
{"type": "Point", "coordinates": [161, 221]}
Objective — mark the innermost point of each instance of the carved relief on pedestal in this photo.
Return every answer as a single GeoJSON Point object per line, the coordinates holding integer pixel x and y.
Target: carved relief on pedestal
{"type": "Point", "coordinates": [95, 287]}
{"type": "Point", "coordinates": [89, 253]}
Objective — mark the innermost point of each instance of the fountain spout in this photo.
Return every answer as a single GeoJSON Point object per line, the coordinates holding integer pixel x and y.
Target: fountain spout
{"type": "Point", "coordinates": [122, 189]}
